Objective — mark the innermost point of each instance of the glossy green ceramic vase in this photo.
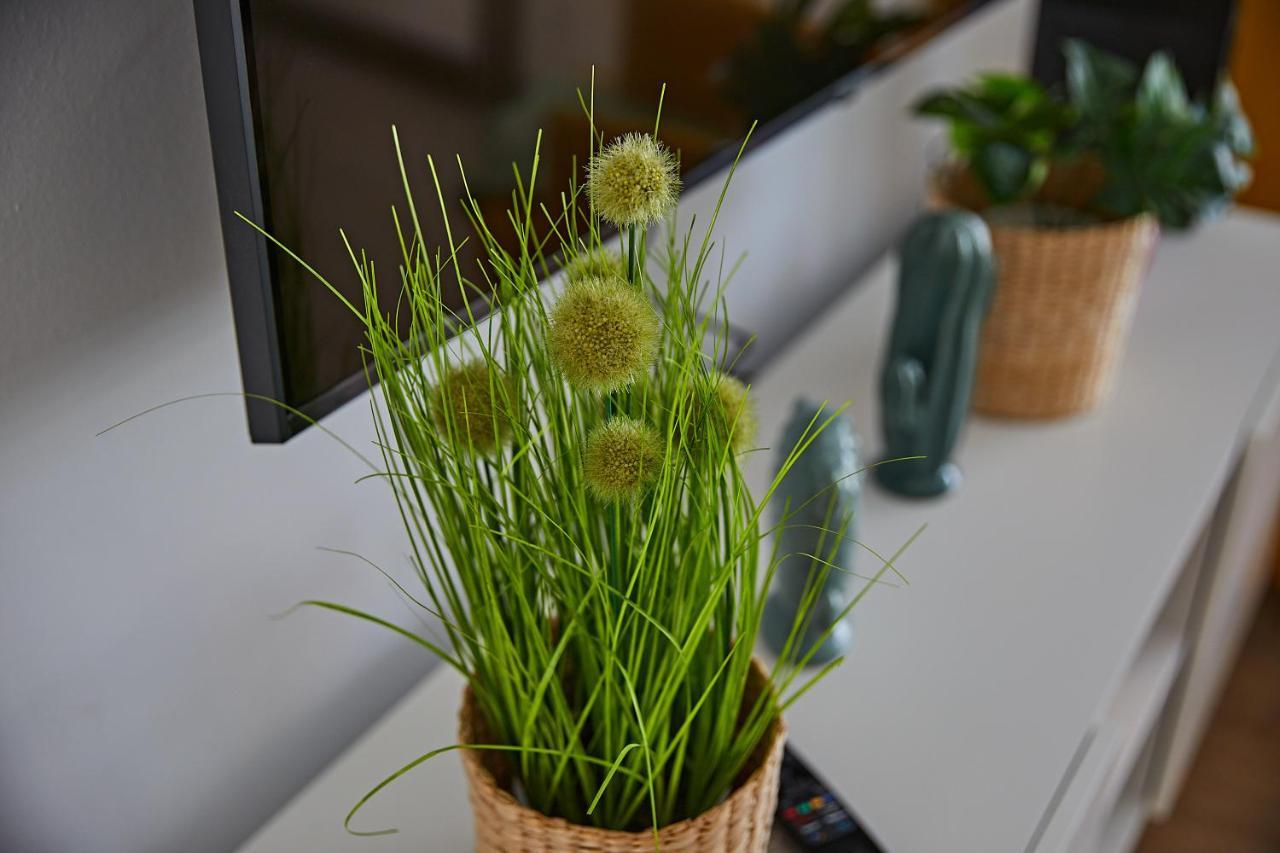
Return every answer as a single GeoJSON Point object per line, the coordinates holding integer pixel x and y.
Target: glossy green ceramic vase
{"type": "Point", "coordinates": [945, 284]}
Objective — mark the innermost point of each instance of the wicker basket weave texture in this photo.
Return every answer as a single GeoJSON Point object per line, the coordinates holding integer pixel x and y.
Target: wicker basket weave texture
{"type": "Point", "coordinates": [741, 823]}
{"type": "Point", "coordinates": [1054, 339]}
{"type": "Point", "coordinates": [1055, 335]}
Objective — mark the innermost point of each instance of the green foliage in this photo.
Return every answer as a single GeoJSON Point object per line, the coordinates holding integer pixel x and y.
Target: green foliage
{"type": "Point", "coordinates": [1006, 127]}
{"type": "Point", "coordinates": [1160, 152]}
{"type": "Point", "coordinates": [634, 181]}
{"type": "Point", "coordinates": [595, 265]}
{"type": "Point", "coordinates": [622, 458]}
{"type": "Point", "coordinates": [794, 53]}
{"type": "Point", "coordinates": [467, 398]}
{"type": "Point", "coordinates": [1099, 86]}
{"type": "Point", "coordinates": [604, 333]}
{"type": "Point", "coordinates": [730, 412]}
{"type": "Point", "coordinates": [598, 582]}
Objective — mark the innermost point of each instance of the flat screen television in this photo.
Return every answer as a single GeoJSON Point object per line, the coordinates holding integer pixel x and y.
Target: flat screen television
{"type": "Point", "coordinates": [302, 94]}
{"type": "Point", "coordinates": [1196, 33]}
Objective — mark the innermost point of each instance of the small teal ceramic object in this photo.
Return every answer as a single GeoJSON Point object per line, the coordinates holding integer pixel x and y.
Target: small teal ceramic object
{"type": "Point", "coordinates": [944, 289]}
{"type": "Point", "coordinates": [825, 465]}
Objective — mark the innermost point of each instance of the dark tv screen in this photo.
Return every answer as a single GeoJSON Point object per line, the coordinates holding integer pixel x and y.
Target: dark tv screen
{"type": "Point", "coordinates": [302, 95]}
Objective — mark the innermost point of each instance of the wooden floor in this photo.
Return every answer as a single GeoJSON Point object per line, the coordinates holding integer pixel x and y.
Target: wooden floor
{"type": "Point", "coordinates": [1231, 802]}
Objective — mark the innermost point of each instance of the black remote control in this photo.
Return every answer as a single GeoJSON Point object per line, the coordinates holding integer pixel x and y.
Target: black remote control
{"type": "Point", "coordinates": [813, 815]}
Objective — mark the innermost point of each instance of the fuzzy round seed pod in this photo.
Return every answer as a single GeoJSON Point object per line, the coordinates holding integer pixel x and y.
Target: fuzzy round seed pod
{"type": "Point", "coordinates": [633, 181]}
{"type": "Point", "coordinates": [727, 409]}
{"type": "Point", "coordinates": [604, 334]}
{"type": "Point", "coordinates": [475, 400]}
{"type": "Point", "coordinates": [737, 412]}
{"type": "Point", "coordinates": [594, 264]}
{"type": "Point", "coordinates": [622, 458]}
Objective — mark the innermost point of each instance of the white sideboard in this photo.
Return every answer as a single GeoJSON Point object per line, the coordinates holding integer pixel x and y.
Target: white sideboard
{"type": "Point", "coordinates": [1045, 678]}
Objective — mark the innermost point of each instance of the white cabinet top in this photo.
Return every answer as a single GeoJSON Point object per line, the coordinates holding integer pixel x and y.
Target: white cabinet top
{"type": "Point", "coordinates": [967, 693]}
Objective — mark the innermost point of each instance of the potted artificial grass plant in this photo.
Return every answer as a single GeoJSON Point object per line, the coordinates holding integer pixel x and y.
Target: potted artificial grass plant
{"type": "Point", "coordinates": [568, 473]}
{"type": "Point", "coordinates": [1076, 188]}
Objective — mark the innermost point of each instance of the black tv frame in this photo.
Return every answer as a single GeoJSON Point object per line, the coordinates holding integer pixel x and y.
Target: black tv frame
{"type": "Point", "coordinates": [227, 85]}
{"type": "Point", "coordinates": [225, 42]}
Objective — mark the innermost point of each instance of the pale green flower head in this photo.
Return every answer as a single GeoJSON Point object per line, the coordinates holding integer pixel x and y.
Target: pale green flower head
{"type": "Point", "coordinates": [623, 457]}
{"type": "Point", "coordinates": [594, 264]}
{"type": "Point", "coordinates": [604, 334]}
{"type": "Point", "coordinates": [726, 410]}
{"type": "Point", "coordinates": [736, 412]}
{"type": "Point", "coordinates": [472, 398]}
{"type": "Point", "coordinates": [633, 181]}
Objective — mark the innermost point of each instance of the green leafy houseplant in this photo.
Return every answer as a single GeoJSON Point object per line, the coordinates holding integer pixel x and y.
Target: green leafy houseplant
{"type": "Point", "coordinates": [1075, 186]}
{"type": "Point", "coordinates": [1161, 152]}
{"type": "Point", "coordinates": [1006, 127]}
{"type": "Point", "coordinates": [568, 475]}
{"type": "Point", "coordinates": [1158, 151]}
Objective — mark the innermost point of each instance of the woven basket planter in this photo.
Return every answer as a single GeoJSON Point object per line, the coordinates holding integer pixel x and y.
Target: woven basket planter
{"type": "Point", "coordinates": [740, 823]}
{"type": "Point", "coordinates": [1055, 335]}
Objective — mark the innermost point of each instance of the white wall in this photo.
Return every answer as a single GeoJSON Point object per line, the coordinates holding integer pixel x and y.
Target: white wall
{"type": "Point", "coordinates": [147, 702]}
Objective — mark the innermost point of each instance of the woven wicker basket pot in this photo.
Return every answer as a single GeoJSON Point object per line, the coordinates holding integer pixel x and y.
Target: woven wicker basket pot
{"type": "Point", "coordinates": [1055, 335]}
{"type": "Point", "coordinates": [740, 823]}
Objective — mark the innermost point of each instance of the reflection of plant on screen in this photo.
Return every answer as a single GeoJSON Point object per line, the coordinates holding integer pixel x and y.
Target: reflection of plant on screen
{"type": "Point", "coordinates": [793, 54]}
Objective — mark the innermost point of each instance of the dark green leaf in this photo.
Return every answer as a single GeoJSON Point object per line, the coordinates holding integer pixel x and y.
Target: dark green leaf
{"type": "Point", "coordinates": [940, 104]}
{"type": "Point", "coordinates": [1230, 120]}
{"type": "Point", "coordinates": [1161, 90]}
{"type": "Point", "coordinates": [1099, 83]}
{"type": "Point", "coordinates": [1006, 171]}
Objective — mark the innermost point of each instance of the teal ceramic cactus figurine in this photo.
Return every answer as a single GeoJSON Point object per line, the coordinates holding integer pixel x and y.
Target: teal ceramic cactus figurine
{"type": "Point", "coordinates": [944, 289]}
{"type": "Point", "coordinates": [822, 491]}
